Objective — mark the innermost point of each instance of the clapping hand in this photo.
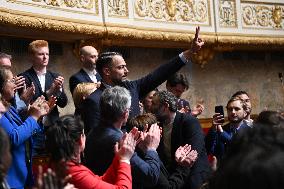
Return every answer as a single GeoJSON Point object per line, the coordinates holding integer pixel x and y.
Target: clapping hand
{"type": "Point", "coordinates": [185, 156]}
{"type": "Point", "coordinates": [127, 145]}
{"type": "Point", "coordinates": [151, 139]}
{"type": "Point", "coordinates": [39, 108]}
{"type": "Point", "coordinates": [56, 86]}
{"type": "Point", "coordinates": [28, 93]}
{"type": "Point", "coordinates": [50, 180]}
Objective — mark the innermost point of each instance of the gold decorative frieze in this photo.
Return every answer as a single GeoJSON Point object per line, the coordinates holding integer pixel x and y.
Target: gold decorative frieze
{"type": "Point", "coordinates": [181, 11]}
{"type": "Point", "coordinates": [117, 8]}
{"type": "Point", "coordinates": [48, 24]}
{"type": "Point", "coordinates": [68, 5]}
{"type": "Point", "coordinates": [263, 16]}
{"type": "Point", "coordinates": [227, 13]}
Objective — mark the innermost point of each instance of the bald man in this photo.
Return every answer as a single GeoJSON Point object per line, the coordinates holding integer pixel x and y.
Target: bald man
{"type": "Point", "coordinates": [88, 73]}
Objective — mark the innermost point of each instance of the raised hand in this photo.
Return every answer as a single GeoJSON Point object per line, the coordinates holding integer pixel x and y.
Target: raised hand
{"type": "Point", "coordinates": [218, 120]}
{"type": "Point", "coordinates": [151, 138]}
{"type": "Point", "coordinates": [52, 102]}
{"type": "Point", "coordinates": [197, 42]}
{"type": "Point", "coordinates": [28, 93]}
{"type": "Point", "coordinates": [19, 82]}
{"type": "Point", "coordinates": [39, 108]}
{"type": "Point", "coordinates": [195, 46]}
{"type": "Point", "coordinates": [197, 110]}
{"type": "Point", "coordinates": [127, 145]}
{"type": "Point", "coordinates": [50, 180]}
{"type": "Point", "coordinates": [185, 156]}
{"type": "Point", "coordinates": [56, 86]}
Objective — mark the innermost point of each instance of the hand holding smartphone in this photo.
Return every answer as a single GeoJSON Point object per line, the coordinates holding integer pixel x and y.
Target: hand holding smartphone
{"type": "Point", "coordinates": [219, 119]}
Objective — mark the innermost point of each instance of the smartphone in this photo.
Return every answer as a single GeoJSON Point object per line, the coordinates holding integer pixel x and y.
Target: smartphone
{"type": "Point", "coordinates": [220, 110]}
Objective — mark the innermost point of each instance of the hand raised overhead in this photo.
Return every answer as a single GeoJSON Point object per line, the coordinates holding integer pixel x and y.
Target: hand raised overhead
{"type": "Point", "coordinates": [197, 42]}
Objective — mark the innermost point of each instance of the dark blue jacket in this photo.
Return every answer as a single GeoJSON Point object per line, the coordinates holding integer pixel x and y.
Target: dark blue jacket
{"type": "Point", "coordinates": [80, 77]}
{"type": "Point", "coordinates": [217, 143]}
{"type": "Point", "coordinates": [99, 153]}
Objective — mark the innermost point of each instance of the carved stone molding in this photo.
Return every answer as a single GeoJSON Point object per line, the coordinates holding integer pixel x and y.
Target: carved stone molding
{"type": "Point", "coordinates": [227, 13]}
{"type": "Point", "coordinates": [67, 5]}
{"type": "Point", "coordinates": [263, 16]}
{"type": "Point", "coordinates": [204, 56]}
{"type": "Point", "coordinates": [46, 24]}
{"type": "Point", "coordinates": [117, 8]}
{"type": "Point", "coordinates": [181, 11]}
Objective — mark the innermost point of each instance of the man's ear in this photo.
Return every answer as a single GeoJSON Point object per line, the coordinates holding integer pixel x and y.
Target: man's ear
{"type": "Point", "coordinates": [166, 105]}
{"type": "Point", "coordinates": [245, 113]}
{"type": "Point", "coordinates": [82, 58]}
{"type": "Point", "coordinates": [106, 71]}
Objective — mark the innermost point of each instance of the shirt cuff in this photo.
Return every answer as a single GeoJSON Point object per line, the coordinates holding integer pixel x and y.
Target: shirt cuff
{"type": "Point", "coordinates": [183, 59]}
{"type": "Point", "coordinates": [124, 161]}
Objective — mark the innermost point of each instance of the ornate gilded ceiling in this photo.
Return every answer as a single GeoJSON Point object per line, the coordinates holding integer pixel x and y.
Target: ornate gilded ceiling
{"type": "Point", "coordinates": [230, 23]}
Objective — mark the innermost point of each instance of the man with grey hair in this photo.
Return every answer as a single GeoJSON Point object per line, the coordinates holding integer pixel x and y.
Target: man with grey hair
{"type": "Point", "coordinates": [115, 103]}
{"type": "Point", "coordinates": [180, 129]}
{"type": "Point", "coordinates": [5, 60]}
{"type": "Point", "coordinates": [88, 73]}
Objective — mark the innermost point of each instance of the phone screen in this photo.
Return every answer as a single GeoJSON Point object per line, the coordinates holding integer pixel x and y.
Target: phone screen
{"type": "Point", "coordinates": [220, 110]}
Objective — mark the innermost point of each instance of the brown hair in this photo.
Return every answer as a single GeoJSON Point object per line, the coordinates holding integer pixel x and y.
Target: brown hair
{"type": "Point", "coordinates": [140, 121]}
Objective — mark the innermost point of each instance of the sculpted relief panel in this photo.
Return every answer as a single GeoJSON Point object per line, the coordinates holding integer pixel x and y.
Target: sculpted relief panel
{"type": "Point", "coordinates": [75, 5]}
{"type": "Point", "coordinates": [181, 11]}
{"type": "Point", "coordinates": [118, 8]}
{"type": "Point", "coordinates": [227, 13]}
{"type": "Point", "coordinates": [263, 16]}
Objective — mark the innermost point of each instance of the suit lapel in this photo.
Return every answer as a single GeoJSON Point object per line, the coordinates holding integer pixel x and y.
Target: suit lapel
{"type": "Point", "coordinates": [35, 80]}
{"type": "Point", "coordinates": [85, 76]}
{"type": "Point", "coordinates": [48, 80]}
{"type": "Point", "coordinates": [176, 133]}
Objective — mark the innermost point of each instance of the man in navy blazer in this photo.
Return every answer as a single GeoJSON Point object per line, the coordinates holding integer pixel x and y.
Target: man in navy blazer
{"type": "Point", "coordinates": [88, 73]}
{"type": "Point", "coordinates": [99, 152]}
{"type": "Point", "coordinates": [112, 67]}
{"type": "Point", "coordinates": [46, 83]}
{"type": "Point", "coordinates": [179, 129]}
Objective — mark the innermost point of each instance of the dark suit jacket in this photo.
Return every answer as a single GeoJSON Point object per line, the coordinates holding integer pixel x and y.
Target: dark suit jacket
{"type": "Point", "coordinates": [80, 77]}
{"type": "Point", "coordinates": [99, 153]}
{"type": "Point", "coordinates": [186, 130]}
{"type": "Point", "coordinates": [31, 76]}
{"type": "Point", "coordinates": [138, 89]}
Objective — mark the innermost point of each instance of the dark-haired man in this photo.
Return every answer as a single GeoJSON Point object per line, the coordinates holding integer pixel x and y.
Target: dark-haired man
{"type": "Point", "coordinates": [178, 84]}
{"type": "Point", "coordinates": [245, 97]}
{"type": "Point", "coordinates": [219, 136]}
{"type": "Point", "coordinates": [180, 129]}
{"type": "Point", "coordinates": [113, 70]}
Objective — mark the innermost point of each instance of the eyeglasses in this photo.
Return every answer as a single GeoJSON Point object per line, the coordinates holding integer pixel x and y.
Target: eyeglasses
{"type": "Point", "coordinates": [11, 80]}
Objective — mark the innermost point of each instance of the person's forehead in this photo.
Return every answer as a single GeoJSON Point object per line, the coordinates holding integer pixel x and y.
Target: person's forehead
{"type": "Point", "coordinates": [155, 98]}
{"type": "Point", "coordinates": [243, 96]}
{"type": "Point", "coordinates": [5, 61]}
{"type": "Point", "coordinates": [236, 103]}
{"type": "Point", "coordinates": [92, 51]}
{"type": "Point", "coordinates": [41, 49]}
{"type": "Point", "coordinates": [118, 60]}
